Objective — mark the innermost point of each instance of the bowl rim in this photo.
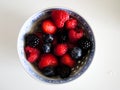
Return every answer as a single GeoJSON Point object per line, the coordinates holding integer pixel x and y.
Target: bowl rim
{"type": "Point", "coordinates": [25, 63]}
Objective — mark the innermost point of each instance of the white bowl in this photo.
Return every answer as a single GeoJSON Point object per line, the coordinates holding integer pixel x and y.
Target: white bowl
{"type": "Point", "coordinates": [30, 69]}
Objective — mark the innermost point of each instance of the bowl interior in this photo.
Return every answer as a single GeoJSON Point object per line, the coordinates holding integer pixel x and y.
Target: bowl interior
{"type": "Point", "coordinates": [31, 25]}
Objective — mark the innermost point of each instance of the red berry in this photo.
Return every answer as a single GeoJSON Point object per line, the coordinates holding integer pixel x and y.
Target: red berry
{"type": "Point", "coordinates": [32, 54]}
{"type": "Point", "coordinates": [71, 23]}
{"type": "Point", "coordinates": [60, 49]}
{"type": "Point", "coordinates": [75, 35]}
{"type": "Point", "coordinates": [67, 60]}
{"type": "Point", "coordinates": [59, 17]}
{"type": "Point", "coordinates": [47, 60]}
{"type": "Point", "coordinates": [48, 27]}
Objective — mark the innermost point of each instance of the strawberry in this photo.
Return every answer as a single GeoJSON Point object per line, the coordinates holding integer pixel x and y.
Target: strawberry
{"type": "Point", "coordinates": [75, 35]}
{"type": "Point", "coordinates": [71, 23]}
{"type": "Point", "coordinates": [60, 49]}
{"type": "Point", "coordinates": [47, 60]}
{"type": "Point", "coordinates": [32, 54]}
{"type": "Point", "coordinates": [48, 27]}
{"type": "Point", "coordinates": [59, 17]}
{"type": "Point", "coordinates": [67, 60]}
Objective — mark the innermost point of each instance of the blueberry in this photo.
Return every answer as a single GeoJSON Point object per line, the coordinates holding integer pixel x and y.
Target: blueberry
{"type": "Point", "coordinates": [85, 43]}
{"type": "Point", "coordinates": [32, 40]}
{"type": "Point", "coordinates": [62, 36]}
{"type": "Point", "coordinates": [76, 53]}
{"type": "Point", "coordinates": [48, 38]}
{"type": "Point", "coordinates": [63, 71]}
{"type": "Point", "coordinates": [46, 48]}
{"type": "Point", "coordinates": [49, 71]}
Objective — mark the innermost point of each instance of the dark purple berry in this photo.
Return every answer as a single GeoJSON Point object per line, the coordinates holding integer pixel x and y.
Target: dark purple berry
{"type": "Point", "coordinates": [62, 36]}
{"type": "Point", "coordinates": [46, 48]}
{"type": "Point", "coordinates": [85, 43]}
{"type": "Point", "coordinates": [49, 71]}
{"type": "Point", "coordinates": [48, 38]}
{"type": "Point", "coordinates": [63, 71]}
{"type": "Point", "coordinates": [32, 40]}
{"type": "Point", "coordinates": [76, 53]}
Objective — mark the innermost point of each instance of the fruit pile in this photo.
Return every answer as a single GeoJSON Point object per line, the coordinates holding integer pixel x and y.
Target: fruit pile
{"type": "Point", "coordinates": [58, 45]}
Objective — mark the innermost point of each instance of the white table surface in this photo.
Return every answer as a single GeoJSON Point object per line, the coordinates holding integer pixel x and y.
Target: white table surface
{"type": "Point", "coordinates": [103, 17]}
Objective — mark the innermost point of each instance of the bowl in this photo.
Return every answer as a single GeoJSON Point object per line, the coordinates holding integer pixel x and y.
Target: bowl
{"type": "Point", "coordinates": [31, 70]}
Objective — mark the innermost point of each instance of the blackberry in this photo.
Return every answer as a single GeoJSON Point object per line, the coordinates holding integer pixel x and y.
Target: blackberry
{"type": "Point", "coordinates": [63, 71]}
{"type": "Point", "coordinates": [85, 43]}
{"type": "Point", "coordinates": [48, 38]}
{"type": "Point", "coordinates": [49, 71]}
{"type": "Point", "coordinates": [32, 40]}
{"type": "Point", "coordinates": [46, 48]}
{"type": "Point", "coordinates": [76, 53]}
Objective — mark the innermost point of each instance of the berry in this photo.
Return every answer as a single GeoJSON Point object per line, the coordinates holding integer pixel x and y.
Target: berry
{"type": "Point", "coordinates": [71, 23]}
{"type": "Point", "coordinates": [32, 40]}
{"type": "Point", "coordinates": [60, 49]}
{"type": "Point", "coordinates": [75, 35]}
{"type": "Point", "coordinates": [46, 48]}
{"type": "Point", "coordinates": [76, 53]}
{"type": "Point", "coordinates": [85, 43]}
{"type": "Point", "coordinates": [63, 71]}
{"type": "Point", "coordinates": [62, 36]}
{"type": "Point", "coordinates": [67, 60]}
{"type": "Point", "coordinates": [49, 71]}
{"type": "Point", "coordinates": [48, 38]}
{"type": "Point", "coordinates": [32, 54]}
{"type": "Point", "coordinates": [40, 36]}
{"type": "Point", "coordinates": [59, 17]}
{"type": "Point", "coordinates": [48, 27]}
{"type": "Point", "coordinates": [47, 60]}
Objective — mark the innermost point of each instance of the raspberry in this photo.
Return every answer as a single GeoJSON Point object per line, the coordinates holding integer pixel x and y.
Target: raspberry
{"type": "Point", "coordinates": [47, 60]}
{"type": "Point", "coordinates": [71, 23]}
{"type": "Point", "coordinates": [60, 49]}
{"type": "Point", "coordinates": [32, 54]}
{"type": "Point", "coordinates": [59, 17]}
{"type": "Point", "coordinates": [67, 60]}
{"type": "Point", "coordinates": [75, 35]}
{"type": "Point", "coordinates": [48, 27]}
